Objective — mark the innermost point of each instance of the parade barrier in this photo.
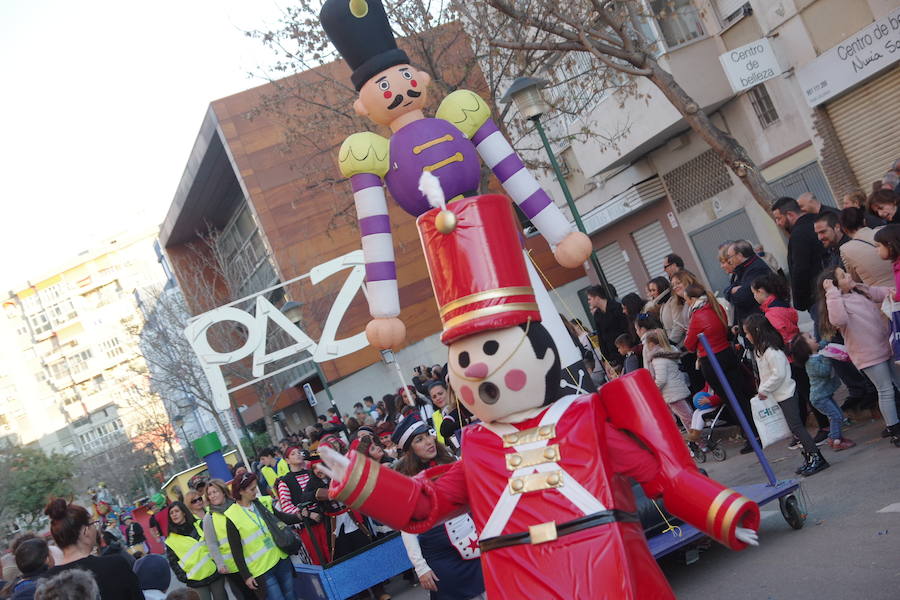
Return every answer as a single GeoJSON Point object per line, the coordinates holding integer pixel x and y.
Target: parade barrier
{"type": "Point", "coordinates": [354, 573]}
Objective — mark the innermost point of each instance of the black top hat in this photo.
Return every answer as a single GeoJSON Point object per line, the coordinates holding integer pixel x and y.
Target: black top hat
{"type": "Point", "coordinates": [360, 31]}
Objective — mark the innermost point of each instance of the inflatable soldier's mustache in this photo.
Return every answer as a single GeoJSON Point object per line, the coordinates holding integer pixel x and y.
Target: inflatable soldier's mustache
{"type": "Point", "coordinates": [397, 100]}
{"type": "Point", "coordinates": [413, 94]}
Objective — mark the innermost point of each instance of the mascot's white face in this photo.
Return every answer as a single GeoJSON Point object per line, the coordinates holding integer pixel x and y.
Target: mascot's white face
{"type": "Point", "coordinates": [496, 373]}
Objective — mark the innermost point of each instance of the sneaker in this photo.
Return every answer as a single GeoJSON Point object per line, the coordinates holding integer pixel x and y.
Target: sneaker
{"type": "Point", "coordinates": [821, 437]}
{"type": "Point", "coordinates": [841, 444]}
{"type": "Point", "coordinates": [795, 444]}
{"type": "Point", "coordinates": [886, 432]}
{"type": "Point", "coordinates": [747, 448]}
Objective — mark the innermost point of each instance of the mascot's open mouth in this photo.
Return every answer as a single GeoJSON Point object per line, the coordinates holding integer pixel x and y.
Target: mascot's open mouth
{"type": "Point", "coordinates": [488, 392]}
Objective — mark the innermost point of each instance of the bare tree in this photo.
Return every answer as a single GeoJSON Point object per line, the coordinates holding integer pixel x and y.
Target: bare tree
{"type": "Point", "coordinates": [215, 277]}
{"type": "Point", "coordinates": [174, 372]}
{"type": "Point", "coordinates": [127, 470]}
{"type": "Point", "coordinates": [611, 32]}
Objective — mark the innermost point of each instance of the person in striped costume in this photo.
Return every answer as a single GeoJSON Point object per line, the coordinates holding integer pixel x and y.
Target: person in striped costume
{"type": "Point", "coordinates": [451, 146]}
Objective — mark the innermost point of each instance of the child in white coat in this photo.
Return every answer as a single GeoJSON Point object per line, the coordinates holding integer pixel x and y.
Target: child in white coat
{"type": "Point", "coordinates": [670, 379]}
{"type": "Point", "coordinates": [775, 382]}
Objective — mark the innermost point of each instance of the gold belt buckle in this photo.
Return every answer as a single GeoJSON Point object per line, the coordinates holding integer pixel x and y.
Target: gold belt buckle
{"type": "Point", "coordinates": [545, 532]}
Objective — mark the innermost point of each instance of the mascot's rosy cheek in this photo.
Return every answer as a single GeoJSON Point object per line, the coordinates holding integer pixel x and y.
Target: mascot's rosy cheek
{"type": "Point", "coordinates": [516, 379]}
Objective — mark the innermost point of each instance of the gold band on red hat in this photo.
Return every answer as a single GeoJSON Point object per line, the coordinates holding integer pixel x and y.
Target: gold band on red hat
{"type": "Point", "coordinates": [490, 310]}
{"type": "Point", "coordinates": [525, 290]}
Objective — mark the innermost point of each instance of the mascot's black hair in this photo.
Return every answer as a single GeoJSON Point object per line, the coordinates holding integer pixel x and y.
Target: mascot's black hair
{"type": "Point", "coordinates": [541, 341]}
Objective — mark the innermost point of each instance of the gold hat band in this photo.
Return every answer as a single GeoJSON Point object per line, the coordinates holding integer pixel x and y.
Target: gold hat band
{"type": "Point", "coordinates": [506, 292]}
{"type": "Point", "coordinates": [489, 310]}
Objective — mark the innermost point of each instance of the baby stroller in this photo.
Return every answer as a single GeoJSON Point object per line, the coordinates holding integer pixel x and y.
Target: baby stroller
{"type": "Point", "coordinates": [706, 416]}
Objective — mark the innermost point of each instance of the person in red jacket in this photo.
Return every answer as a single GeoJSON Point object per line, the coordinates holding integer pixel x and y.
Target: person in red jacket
{"type": "Point", "coordinates": [708, 318]}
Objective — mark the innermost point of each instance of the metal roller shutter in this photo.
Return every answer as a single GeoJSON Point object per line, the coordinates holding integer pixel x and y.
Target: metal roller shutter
{"type": "Point", "coordinates": [614, 266]}
{"type": "Point", "coordinates": [653, 245]}
{"type": "Point", "coordinates": [867, 122]}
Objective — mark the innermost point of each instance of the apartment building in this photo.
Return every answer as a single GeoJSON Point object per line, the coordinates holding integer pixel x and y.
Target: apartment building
{"type": "Point", "coordinates": [823, 118]}
{"type": "Point", "coordinates": [72, 378]}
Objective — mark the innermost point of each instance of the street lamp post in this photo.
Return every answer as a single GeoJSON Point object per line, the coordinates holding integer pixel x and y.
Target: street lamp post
{"type": "Point", "coordinates": [178, 421]}
{"type": "Point", "coordinates": [294, 312]}
{"type": "Point", "coordinates": [525, 93]}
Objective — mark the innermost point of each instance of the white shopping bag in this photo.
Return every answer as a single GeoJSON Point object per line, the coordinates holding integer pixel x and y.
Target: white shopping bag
{"type": "Point", "coordinates": [769, 419]}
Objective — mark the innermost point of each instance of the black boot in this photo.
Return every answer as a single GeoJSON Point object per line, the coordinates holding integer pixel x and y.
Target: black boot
{"type": "Point", "coordinates": [806, 458]}
{"type": "Point", "coordinates": [817, 463]}
{"type": "Point", "coordinates": [894, 432]}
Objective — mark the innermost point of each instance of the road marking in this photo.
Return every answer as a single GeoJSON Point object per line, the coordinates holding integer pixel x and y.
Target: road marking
{"type": "Point", "coordinates": [895, 507]}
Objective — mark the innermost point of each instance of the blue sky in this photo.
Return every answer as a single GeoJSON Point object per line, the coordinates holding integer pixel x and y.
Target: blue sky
{"type": "Point", "coordinates": [101, 101]}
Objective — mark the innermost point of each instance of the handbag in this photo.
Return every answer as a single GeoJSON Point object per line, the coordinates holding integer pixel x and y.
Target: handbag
{"type": "Point", "coordinates": [769, 418]}
{"type": "Point", "coordinates": [282, 534]}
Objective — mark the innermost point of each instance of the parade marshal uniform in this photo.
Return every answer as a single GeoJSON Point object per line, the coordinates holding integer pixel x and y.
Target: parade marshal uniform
{"type": "Point", "coordinates": [549, 495]}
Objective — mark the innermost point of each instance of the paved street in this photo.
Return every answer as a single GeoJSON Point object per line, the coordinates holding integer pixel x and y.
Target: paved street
{"type": "Point", "coordinates": [846, 550]}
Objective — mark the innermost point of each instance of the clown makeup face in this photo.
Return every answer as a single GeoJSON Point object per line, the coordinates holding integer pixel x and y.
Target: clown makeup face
{"type": "Point", "coordinates": [497, 374]}
{"type": "Point", "coordinates": [394, 97]}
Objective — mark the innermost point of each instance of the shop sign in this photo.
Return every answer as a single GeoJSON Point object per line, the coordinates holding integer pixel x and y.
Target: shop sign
{"type": "Point", "coordinates": [865, 53]}
{"type": "Point", "coordinates": [750, 65]}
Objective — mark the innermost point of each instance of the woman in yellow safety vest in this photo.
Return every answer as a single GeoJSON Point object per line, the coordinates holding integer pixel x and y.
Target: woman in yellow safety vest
{"type": "Point", "coordinates": [216, 536]}
{"type": "Point", "coordinates": [447, 418]}
{"type": "Point", "coordinates": [189, 557]}
{"type": "Point", "coordinates": [260, 562]}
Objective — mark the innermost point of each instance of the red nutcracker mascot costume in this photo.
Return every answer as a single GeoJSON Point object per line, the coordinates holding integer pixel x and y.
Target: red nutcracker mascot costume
{"type": "Point", "coordinates": [545, 481]}
{"type": "Point", "coordinates": [452, 146]}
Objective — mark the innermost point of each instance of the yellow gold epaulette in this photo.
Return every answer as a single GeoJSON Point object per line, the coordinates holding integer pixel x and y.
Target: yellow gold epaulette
{"type": "Point", "coordinates": [364, 152]}
{"type": "Point", "coordinates": [466, 110]}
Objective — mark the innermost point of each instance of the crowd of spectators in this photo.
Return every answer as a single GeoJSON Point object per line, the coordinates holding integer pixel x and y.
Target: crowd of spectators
{"type": "Point", "coordinates": [841, 265]}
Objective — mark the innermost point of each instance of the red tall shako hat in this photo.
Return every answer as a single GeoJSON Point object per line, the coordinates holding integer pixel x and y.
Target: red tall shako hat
{"type": "Point", "coordinates": [477, 266]}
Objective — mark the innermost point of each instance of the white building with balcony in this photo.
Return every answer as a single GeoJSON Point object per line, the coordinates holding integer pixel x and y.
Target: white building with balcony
{"type": "Point", "coordinates": [661, 189]}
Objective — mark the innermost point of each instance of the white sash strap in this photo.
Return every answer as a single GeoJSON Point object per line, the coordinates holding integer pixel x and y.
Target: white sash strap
{"type": "Point", "coordinates": [571, 488]}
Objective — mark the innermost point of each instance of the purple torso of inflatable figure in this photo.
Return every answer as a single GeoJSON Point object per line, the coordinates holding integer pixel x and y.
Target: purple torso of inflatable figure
{"type": "Point", "coordinates": [437, 146]}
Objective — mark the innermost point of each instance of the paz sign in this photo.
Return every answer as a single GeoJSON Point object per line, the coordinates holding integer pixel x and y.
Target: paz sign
{"type": "Point", "coordinates": [750, 64]}
{"type": "Point", "coordinates": [266, 315]}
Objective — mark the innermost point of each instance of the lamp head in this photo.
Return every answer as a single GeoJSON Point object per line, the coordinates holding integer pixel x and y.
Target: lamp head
{"type": "Point", "coordinates": [525, 92]}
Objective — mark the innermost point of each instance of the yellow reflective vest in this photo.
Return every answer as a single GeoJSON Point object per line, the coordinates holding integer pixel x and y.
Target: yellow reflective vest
{"type": "Point", "coordinates": [193, 556]}
{"type": "Point", "coordinates": [281, 469]}
{"type": "Point", "coordinates": [220, 523]}
{"type": "Point", "coordinates": [437, 418]}
{"type": "Point", "coordinates": [260, 551]}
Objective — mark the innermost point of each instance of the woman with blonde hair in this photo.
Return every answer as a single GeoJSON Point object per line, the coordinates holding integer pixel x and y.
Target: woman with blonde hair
{"type": "Point", "coordinates": [215, 534]}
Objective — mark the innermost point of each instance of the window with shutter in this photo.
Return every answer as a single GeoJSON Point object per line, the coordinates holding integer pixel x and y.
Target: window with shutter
{"type": "Point", "coordinates": [653, 246]}
{"type": "Point", "coordinates": [615, 267]}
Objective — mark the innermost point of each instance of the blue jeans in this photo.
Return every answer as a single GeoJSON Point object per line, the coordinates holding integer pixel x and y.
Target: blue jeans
{"type": "Point", "coordinates": [828, 407]}
{"type": "Point", "coordinates": [885, 377]}
{"type": "Point", "coordinates": [279, 581]}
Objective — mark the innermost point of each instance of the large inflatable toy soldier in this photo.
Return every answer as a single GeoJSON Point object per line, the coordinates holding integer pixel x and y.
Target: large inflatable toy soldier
{"type": "Point", "coordinates": [546, 481]}
{"type": "Point", "coordinates": [451, 146]}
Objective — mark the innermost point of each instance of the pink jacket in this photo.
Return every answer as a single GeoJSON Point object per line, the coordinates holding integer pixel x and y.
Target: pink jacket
{"type": "Point", "coordinates": [860, 320]}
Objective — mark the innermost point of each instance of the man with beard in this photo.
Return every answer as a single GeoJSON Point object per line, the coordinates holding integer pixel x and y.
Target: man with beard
{"type": "Point", "coordinates": [806, 255]}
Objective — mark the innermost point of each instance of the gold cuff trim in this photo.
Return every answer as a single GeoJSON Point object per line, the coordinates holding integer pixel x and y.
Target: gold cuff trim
{"type": "Point", "coordinates": [372, 469]}
{"type": "Point", "coordinates": [505, 292]}
{"type": "Point", "coordinates": [545, 532]}
{"type": "Point", "coordinates": [730, 515]}
{"type": "Point", "coordinates": [422, 147]}
{"type": "Point", "coordinates": [535, 482]}
{"type": "Point", "coordinates": [356, 472]}
{"type": "Point", "coordinates": [535, 434]}
{"type": "Point", "coordinates": [714, 507]}
{"type": "Point", "coordinates": [458, 157]}
{"type": "Point", "coordinates": [490, 310]}
{"type": "Point", "coordinates": [530, 458]}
